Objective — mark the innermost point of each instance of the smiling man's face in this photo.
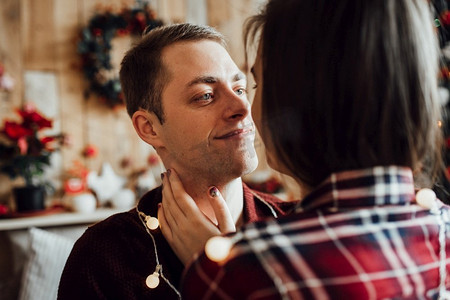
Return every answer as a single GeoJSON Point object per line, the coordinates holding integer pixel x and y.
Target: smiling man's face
{"type": "Point", "coordinates": [208, 129]}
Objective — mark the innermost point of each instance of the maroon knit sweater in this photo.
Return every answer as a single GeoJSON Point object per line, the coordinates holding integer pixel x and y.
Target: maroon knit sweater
{"type": "Point", "coordinates": [112, 259]}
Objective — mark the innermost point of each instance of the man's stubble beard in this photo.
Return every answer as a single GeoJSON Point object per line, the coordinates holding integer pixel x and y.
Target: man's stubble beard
{"type": "Point", "coordinates": [219, 165]}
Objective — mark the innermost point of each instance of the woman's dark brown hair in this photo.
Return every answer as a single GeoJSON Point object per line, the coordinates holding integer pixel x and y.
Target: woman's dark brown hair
{"type": "Point", "coordinates": [349, 84]}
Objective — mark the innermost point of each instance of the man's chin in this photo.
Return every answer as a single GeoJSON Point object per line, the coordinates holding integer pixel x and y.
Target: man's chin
{"type": "Point", "coordinates": [250, 165]}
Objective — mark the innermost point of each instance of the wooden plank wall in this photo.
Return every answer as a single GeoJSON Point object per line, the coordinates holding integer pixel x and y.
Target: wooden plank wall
{"type": "Point", "coordinates": [41, 35]}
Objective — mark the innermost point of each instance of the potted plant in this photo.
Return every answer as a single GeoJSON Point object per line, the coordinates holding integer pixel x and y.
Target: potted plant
{"type": "Point", "coordinates": [25, 152]}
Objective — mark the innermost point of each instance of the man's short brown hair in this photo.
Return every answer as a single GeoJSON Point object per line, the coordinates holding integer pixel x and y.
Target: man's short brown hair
{"type": "Point", "coordinates": [142, 73]}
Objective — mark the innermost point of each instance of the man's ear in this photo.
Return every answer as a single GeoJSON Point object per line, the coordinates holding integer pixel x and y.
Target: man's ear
{"type": "Point", "coordinates": [148, 127]}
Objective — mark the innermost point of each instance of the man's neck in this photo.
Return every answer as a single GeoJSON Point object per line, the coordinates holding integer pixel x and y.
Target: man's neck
{"type": "Point", "coordinates": [231, 191]}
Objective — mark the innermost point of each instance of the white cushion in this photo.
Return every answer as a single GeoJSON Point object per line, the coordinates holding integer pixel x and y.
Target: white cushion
{"type": "Point", "coordinates": [42, 272]}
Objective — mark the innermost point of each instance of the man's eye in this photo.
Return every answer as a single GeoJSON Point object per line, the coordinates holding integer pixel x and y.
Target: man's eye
{"type": "Point", "coordinates": [241, 91]}
{"type": "Point", "coordinates": [205, 97]}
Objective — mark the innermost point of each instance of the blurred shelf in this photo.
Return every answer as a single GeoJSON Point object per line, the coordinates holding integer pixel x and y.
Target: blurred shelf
{"type": "Point", "coordinates": [56, 219]}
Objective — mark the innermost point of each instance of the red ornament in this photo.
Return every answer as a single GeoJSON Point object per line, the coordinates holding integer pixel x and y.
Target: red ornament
{"type": "Point", "coordinates": [445, 74]}
{"type": "Point", "coordinates": [445, 18]}
{"type": "Point", "coordinates": [90, 151]}
{"type": "Point", "coordinates": [153, 159]}
{"type": "Point", "coordinates": [3, 209]}
{"type": "Point", "coordinates": [140, 16]}
{"type": "Point", "coordinates": [74, 186]}
{"type": "Point", "coordinates": [97, 31]}
{"type": "Point", "coordinates": [122, 32]}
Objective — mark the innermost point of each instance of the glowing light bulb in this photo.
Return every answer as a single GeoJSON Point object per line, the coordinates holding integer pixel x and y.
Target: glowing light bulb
{"type": "Point", "coordinates": [152, 222]}
{"type": "Point", "coordinates": [152, 280]}
{"type": "Point", "coordinates": [426, 198]}
{"type": "Point", "coordinates": [217, 248]}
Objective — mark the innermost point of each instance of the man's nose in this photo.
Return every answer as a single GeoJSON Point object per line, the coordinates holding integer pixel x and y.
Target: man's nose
{"type": "Point", "coordinates": [237, 106]}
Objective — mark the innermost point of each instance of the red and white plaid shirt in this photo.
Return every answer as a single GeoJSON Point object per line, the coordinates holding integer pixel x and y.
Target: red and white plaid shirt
{"type": "Point", "coordinates": [359, 235]}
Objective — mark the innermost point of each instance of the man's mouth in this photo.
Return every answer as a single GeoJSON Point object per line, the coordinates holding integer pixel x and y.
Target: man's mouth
{"type": "Point", "coordinates": [235, 133]}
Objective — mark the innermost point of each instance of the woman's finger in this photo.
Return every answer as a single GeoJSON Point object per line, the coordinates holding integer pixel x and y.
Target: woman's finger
{"type": "Point", "coordinates": [186, 204]}
{"type": "Point", "coordinates": [223, 215]}
{"type": "Point", "coordinates": [164, 225]}
{"type": "Point", "coordinates": [171, 210]}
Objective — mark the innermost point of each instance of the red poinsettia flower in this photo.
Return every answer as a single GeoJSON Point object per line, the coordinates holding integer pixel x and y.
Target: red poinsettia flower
{"type": "Point", "coordinates": [46, 142]}
{"type": "Point", "coordinates": [23, 145]}
{"type": "Point", "coordinates": [47, 139]}
{"type": "Point", "coordinates": [15, 131]}
{"type": "Point", "coordinates": [28, 152]}
{"type": "Point", "coordinates": [31, 118]}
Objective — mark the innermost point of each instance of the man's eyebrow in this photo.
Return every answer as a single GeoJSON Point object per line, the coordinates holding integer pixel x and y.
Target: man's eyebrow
{"type": "Point", "coordinates": [239, 76]}
{"type": "Point", "coordinates": [202, 79]}
{"type": "Point", "coordinates": [212, 79]}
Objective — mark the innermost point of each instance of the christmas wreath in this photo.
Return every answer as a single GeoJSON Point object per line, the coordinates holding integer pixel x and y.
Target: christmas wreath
{"type": "Point", "coordinates": [95, 47]}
